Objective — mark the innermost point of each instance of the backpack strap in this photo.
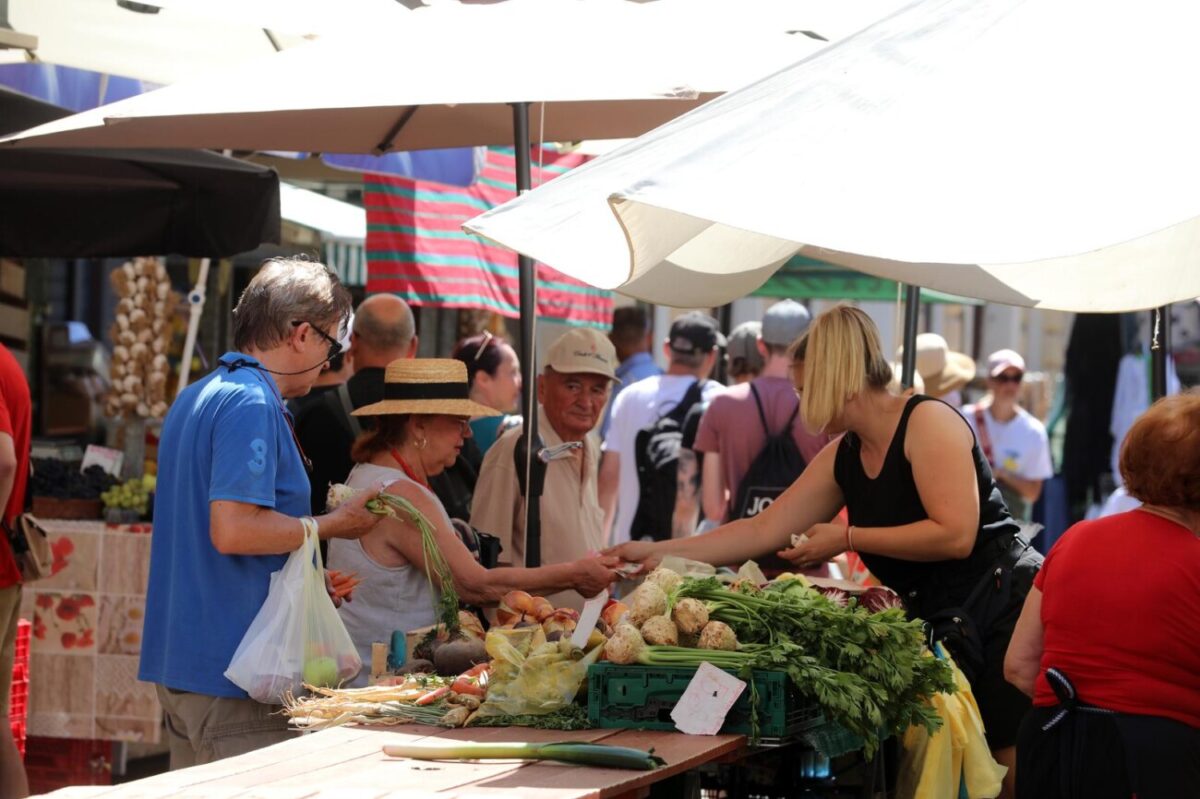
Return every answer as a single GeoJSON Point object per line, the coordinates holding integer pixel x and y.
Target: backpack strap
{"type": "Point", "coordinates": [343, 392]}
{"type": "Point", "coordinates": [694, 394]}
{"type": "Point", "coordinates": [537, 468]}
{"type": "Point", "coordinates": [985, 440]}
{"type": "Point", "coordinates": [762, 417]}
{"type": "Point", "coordinates": [338, 402]}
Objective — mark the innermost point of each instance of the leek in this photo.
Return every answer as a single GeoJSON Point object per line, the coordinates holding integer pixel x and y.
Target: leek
{"type": "Point", "coordinates": [584, 754]}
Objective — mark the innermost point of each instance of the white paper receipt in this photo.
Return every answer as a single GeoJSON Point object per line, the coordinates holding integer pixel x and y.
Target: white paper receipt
{"type": "Point", "coordinates": [706, 702]}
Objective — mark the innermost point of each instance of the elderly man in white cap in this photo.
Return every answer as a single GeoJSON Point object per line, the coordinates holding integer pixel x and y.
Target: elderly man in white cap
{"type": "Point", "coordinates": [1012, 439]}
{"type": "Point", "coordinates": [580, 368]}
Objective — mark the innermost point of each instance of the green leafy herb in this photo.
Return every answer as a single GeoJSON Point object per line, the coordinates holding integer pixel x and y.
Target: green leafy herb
{"type": "Point", "coordinates": [571, 717]}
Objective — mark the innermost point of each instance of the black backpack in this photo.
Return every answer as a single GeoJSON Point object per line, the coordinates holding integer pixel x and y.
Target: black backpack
{"type": "Point", "coordinates": [775, 468]}
{"type": "Point", "coordinates": [656, 451]}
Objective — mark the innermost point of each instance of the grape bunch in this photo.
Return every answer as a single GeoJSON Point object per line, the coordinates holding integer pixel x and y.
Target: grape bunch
{"type": "Point", "coordinates": [63, 480]}
{"type": "Point", "coordinates": [131, 495]}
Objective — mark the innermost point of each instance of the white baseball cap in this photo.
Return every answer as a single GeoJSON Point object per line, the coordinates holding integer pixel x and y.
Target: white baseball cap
{"type": "Point", "coordinates": [1001, 360]}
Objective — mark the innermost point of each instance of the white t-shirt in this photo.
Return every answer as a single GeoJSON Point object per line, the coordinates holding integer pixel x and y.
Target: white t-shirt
{"type": "Point", "coordinates": [637, 406]}
{"type": "Point", "coordinates": [1019, 446]}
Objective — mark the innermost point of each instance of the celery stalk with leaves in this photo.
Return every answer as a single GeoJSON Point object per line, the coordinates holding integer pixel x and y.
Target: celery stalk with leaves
{"type": "Point", "coordinates": [868, 671]}
{"type": "Point", "coordinates": [398, 507]}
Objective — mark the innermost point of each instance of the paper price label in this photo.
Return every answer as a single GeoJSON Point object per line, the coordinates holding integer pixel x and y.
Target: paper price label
{"type": "Point", "coordinates": [706, 702]}
{"type": "Point", "coordinates": [588, 618]}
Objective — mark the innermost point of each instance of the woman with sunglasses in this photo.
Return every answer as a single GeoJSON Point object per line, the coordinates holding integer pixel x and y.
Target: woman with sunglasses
{"type": "Point", "coordinates": [1013, 440]}
{"type": "Point", "coordinates": [494, 373]}
{"type": "Point", "coordinates": [421, 427]}
{"type": "Point", "coordinates": [924, 512]}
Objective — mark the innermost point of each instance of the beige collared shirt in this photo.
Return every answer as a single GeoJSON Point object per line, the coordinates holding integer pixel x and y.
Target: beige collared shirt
{"type": "Point", "coordinates": [572, 521]}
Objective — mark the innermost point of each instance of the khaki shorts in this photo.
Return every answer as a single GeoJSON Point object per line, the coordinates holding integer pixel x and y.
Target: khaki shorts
{"type": "Point", "coordinates": [10, 611]}
{"type": "Point", "coordinates": [201, 728]}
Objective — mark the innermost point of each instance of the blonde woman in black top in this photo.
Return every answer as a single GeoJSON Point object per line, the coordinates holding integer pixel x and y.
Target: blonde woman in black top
{"type": "Point", "coordinates": [925, 514]}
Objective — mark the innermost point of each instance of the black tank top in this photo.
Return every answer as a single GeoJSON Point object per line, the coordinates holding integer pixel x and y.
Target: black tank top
{"type": "Point", "coordinates": [891, 500]}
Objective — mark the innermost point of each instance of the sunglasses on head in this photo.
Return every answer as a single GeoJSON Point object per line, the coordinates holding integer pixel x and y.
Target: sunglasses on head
{"type": "Point", "coordinates": [335, 346]}
{"type": "Point", "coordinates": [1009, 378]}
{"type": "Point", "coordinates": [487, 339]}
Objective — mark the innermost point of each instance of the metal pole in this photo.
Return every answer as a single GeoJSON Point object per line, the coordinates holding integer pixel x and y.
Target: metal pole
{"type": "Point", "coordinates": [912, 308]}
{"type": "Point", "coordinates": [528, 281]}
{"type": "Point", "coordinates": [1160, 350]}
{"type": "Point", "coordinates": [725, 320]}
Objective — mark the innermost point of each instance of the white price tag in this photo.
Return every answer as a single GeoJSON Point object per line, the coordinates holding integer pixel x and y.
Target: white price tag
{"type": "Point", "coordinates": [588, 618]}
{"type": "Point", "coordinates": [706, 702]}
{"type": "Point", "coordinates": [110, 460]}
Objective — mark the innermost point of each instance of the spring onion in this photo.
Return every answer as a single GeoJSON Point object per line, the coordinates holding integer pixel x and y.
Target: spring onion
{"type": "Point", "coordinates": [585, 754]}
{"type": "Point", "coordinates": [386, 504]}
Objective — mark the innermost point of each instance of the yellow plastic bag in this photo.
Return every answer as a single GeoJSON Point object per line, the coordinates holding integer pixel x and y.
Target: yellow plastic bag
{"type": "Point", "coordinates": [954, 761]}
{"type": "Point", "coordinates": [531, 675]}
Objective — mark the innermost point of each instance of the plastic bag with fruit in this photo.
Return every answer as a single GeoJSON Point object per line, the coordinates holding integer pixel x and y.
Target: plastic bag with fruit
{"type": "Point", "coordinates": [297, 638]}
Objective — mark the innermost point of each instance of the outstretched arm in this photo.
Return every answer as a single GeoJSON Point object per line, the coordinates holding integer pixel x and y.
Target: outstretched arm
{"type": "Point", "coordinates": [814, 497]}
{"type": "Point", "coordinates": [475, 584]}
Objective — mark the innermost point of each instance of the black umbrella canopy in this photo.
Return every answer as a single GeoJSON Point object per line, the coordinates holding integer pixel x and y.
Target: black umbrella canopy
{"type": "Point", "coordinates": [118, 203]}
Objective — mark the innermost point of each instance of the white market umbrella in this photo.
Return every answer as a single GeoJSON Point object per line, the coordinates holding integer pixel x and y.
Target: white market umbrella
{"type": "Point", "coordinates": [1041, 154]}
{"type": "Point", "coordinates": [446, 76]}
{"type": "Point", "coordinates": [453, 76]}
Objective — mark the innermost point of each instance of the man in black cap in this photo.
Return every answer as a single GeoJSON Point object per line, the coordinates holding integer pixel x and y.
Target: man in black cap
{"type": "Point", "coordinates": [691, 348]}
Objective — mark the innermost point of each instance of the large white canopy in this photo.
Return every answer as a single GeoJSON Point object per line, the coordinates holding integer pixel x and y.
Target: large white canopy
{"type": "Point", "coordinates": [445, 76]}
{"type": "Point", "coordinates": [1032, 153]}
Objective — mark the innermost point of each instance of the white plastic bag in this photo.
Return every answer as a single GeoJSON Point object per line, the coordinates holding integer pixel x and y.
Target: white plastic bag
{"type": "Point", "coordinates": [297, 636]}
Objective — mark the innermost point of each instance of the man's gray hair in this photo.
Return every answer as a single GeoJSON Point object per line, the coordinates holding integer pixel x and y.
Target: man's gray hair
{"type": "Point", "coordinates": [287, 290]}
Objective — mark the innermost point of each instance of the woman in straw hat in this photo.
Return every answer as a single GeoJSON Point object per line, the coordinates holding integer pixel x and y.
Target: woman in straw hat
{"type": "Point", "coordinates": [924, 512]}
{"type": "Point", "coordinates": [421, 425]}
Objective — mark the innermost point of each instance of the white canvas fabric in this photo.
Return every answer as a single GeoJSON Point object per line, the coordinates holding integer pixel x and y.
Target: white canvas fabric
{"type": "Point", "coordinates": [1031, 154]}
{"type": "Point", "coordinates": [445, 76]}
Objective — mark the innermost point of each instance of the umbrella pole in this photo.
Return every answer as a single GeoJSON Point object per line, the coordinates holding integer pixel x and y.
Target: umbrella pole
{"type": "Point", "coordinates": [195, 310]}
{"type": "Point", "coordinates": [912, 308]}
{"type": "Point", "coordinates": [529, 408]}
{"type": "Point", "coordinates": [1160, 351]}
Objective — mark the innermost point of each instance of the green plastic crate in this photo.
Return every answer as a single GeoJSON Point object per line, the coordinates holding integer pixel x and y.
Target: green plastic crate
{"type": "Point", "coordinates": [642, 697]}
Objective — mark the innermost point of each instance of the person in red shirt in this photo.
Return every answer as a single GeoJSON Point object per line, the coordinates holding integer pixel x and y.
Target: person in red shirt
{"type": "Point", "coordinates": [15, 425]}
{"type": "Point", "coordinates": [1108, 642]}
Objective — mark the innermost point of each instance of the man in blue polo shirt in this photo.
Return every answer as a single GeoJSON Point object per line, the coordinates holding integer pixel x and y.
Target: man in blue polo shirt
{"type": "Point", "coordinates": [232, 488]}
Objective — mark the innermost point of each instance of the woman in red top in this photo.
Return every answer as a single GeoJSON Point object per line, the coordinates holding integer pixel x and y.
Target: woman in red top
{"type": "Point", "coordinates": [1108, 643]}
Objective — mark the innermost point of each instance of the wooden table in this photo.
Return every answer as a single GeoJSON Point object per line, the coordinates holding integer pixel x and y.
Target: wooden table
{"type": "Point", "coordinates": [348, 763]}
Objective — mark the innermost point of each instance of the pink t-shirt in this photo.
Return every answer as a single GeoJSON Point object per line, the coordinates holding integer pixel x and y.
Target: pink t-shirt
{"type": "Point", "coordinates": [731, 426]}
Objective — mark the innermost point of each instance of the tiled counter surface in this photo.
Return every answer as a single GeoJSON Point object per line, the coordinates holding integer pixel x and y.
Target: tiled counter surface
{"type": "Point", "coordinates": [87, 635]}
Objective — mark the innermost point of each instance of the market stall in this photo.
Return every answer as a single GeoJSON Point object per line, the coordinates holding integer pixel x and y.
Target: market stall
{"type": "Point", "coordinates": [87, 622]}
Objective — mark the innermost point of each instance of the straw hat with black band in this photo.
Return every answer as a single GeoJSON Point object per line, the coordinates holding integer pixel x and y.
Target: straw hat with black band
{"type": "Point", "coordinates": [426, 385]}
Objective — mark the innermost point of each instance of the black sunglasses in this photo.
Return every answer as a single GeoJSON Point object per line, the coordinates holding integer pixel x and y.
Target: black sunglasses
{"type": "Point", "coordinates": [335, 346]}
{"type": "Point", "coordinates": [1009, 378]}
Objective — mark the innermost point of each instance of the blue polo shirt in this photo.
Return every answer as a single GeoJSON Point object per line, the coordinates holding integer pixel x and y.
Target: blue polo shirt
{"type": "Point", "coordinates": [225, 437]}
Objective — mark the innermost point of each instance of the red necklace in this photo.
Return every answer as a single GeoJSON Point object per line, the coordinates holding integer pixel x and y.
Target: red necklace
{"type": "Point", "coordinates": [408, 470]}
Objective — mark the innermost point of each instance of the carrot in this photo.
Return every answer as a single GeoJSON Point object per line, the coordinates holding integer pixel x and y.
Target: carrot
{"type": "Point", "coordinates": [433, 696]}
{"type": "Point", "coordinates": [468, 686]}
